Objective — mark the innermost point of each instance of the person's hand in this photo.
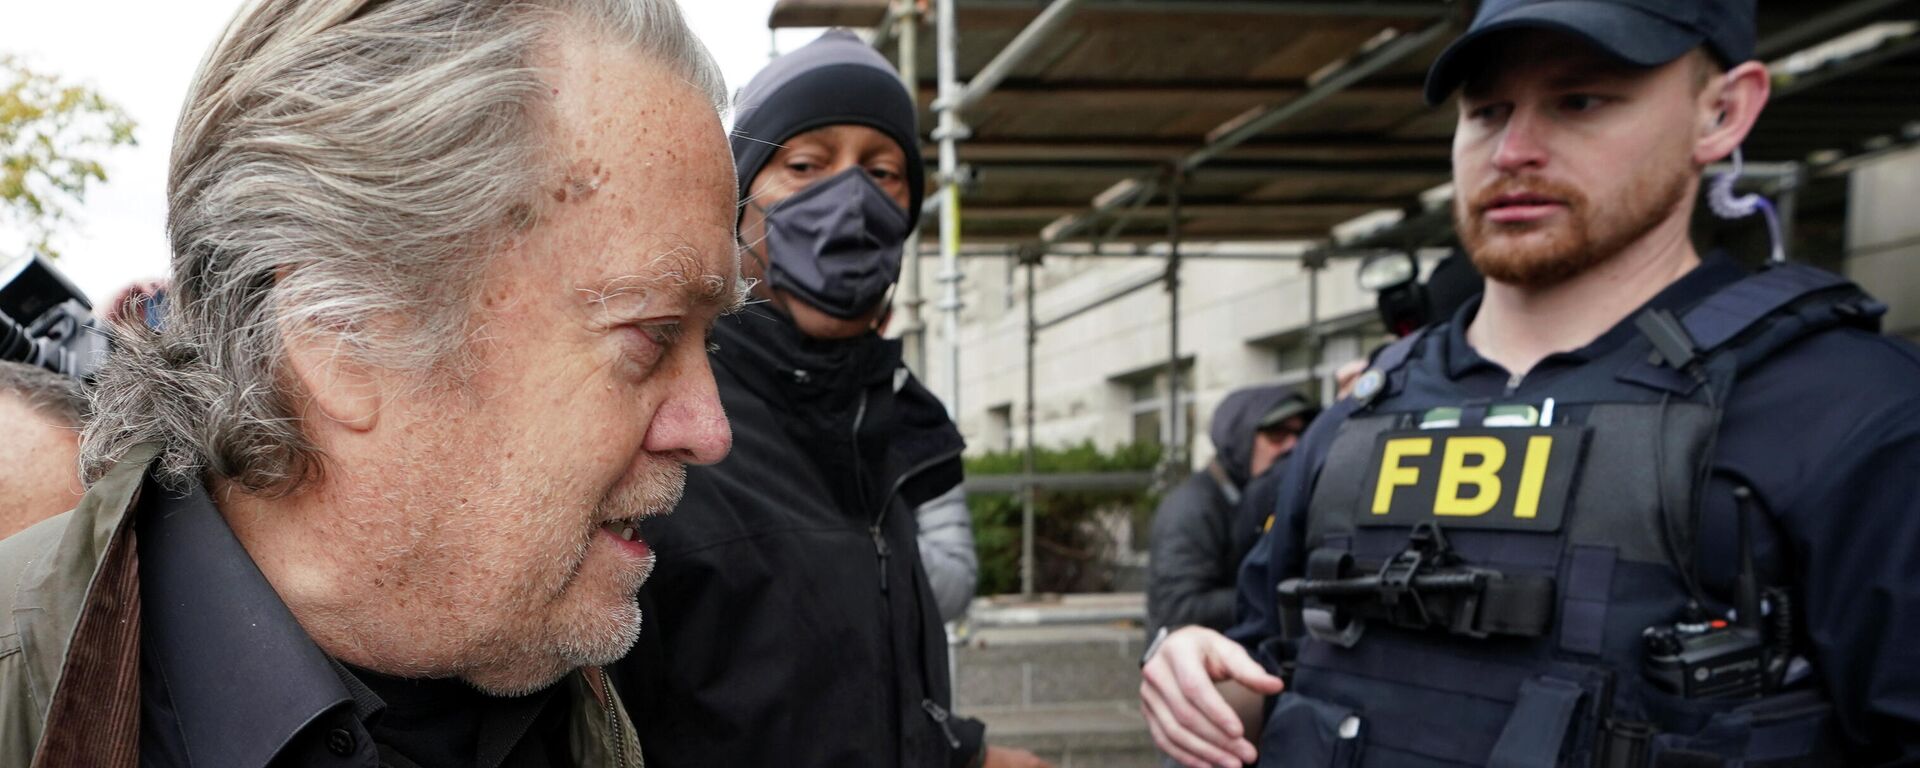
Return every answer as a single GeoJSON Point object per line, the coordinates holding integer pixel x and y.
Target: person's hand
{"type": "Point", "coordinates": [1189, 718]}
{"type": "Point", "coordinates": [1345, 376]}
{"type": "Point", "coordinates": [1008, 757]}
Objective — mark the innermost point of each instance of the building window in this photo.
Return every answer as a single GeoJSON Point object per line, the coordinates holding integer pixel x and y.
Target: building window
{"type": "Point", "coordinates": [1342, 340]}
{"type": "Point", "coordinates": [1000, 428]}
{"type": "Point", "coordinates": [1147, 405]}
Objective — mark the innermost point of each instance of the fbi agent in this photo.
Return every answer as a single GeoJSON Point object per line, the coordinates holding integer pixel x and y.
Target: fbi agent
{"type": "Point", "coordinates": [1683, 535]}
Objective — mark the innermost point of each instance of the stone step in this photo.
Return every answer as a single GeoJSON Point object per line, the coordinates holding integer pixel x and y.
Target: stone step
{"type": "Point", "coordinates": [1037, 666]}
{"type": "Point", "coordinates": [1087, 735]}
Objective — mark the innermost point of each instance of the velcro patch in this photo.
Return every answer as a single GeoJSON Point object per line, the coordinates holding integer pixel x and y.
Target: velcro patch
{"type": "Point", "coordinates": [1498, 479]}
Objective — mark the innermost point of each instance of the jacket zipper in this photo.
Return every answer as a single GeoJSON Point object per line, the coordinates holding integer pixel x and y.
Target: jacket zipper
{"type": "Point", "coordinates": [943, 718]}
{"type": "Point", "coordinates": [614, 731]}
{"type": "Point", "coordinates": [880, 549]}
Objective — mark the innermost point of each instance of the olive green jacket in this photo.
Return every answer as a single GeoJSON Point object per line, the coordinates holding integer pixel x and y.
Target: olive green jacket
{"type": "Point", "coordinates": [70, 643]}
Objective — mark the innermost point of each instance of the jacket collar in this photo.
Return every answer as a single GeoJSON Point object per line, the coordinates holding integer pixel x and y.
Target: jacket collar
{"type": "Point", "coordinates": [768, 354]}
{"type": "Point", "coordinates": [54, 589]}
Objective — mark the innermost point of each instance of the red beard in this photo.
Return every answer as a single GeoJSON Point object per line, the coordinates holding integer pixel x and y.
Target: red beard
{"type": "Point", "coordinates": [1542, 254]}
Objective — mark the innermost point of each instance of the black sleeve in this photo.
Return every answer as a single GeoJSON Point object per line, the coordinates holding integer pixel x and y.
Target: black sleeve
{"type": "Point", "coordinates": [1190, 576]}
{"type": "Point", "coordinates": [1856, 532]}
{"type": "Point", "coordinates": [973, 742]}
{"type": "Point", "coordinates": [1278, 554]}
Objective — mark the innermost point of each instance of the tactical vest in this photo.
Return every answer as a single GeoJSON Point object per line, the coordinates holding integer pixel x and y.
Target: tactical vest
{"type": "Point", "coordinates": [1479, 577]}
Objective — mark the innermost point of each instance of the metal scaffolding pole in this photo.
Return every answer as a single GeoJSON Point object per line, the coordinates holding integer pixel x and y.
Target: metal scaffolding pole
{"type": "Point", "coordinates": [1176, 438]}
{"type": "Point", "coordinates": [1032, 259]}
{"type": "Point", "coordinates": [1321, 86]}
{"type": "Point", "coordinates": [1016, 52]}
{"type": "Point", "coordinates": [1314, 263]}
{"type": "Point", "coordinates": [913, 329]}
{"type": "Point", "coordinates": [1409, 9]}
{"type": "Point", "coordinates": [949, 133]}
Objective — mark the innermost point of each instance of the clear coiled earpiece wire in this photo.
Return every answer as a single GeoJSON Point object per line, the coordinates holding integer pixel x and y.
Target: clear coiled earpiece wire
{"type": "Point", "coordinates": [1726, 205]}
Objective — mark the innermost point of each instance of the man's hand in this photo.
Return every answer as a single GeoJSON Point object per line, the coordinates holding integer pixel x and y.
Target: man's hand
{"type": "Point", "coordinates": [1190, 718]}
{"type": "Point", "coordinates": [1345, 376]}
{"type": "Point", "coordinates": [1008, 757]}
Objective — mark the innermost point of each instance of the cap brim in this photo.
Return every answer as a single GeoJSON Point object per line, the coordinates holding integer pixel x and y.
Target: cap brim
{"type": "Point", "coordinates": [1286, 411]}
{"type": "Point", "coordinates": [1621, 31]}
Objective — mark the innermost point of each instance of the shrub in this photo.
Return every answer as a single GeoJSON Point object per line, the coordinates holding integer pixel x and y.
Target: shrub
{"type": "Point", "coordinates": [1073, 550]}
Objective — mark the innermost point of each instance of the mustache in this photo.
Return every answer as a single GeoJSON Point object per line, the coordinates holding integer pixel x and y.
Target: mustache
{"type": "Point", "coordinates": [654, 491]}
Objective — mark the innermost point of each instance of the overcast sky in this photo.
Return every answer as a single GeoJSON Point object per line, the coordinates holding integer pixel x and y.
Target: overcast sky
{"type": "Point", "coordinates": [141, 54]}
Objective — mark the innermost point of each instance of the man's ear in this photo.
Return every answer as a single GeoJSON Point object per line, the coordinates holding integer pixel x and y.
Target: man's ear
{"type": "Point", "coordinates": [344, 391]}
{"type": "Point", "coordinates": [1729, 106]}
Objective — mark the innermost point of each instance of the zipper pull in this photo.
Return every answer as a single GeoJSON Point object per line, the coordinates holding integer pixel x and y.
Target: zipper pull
{"type": "Point", "coordinates": [880, 547]}
{"type": "Point", "coordinates": [942, 718]}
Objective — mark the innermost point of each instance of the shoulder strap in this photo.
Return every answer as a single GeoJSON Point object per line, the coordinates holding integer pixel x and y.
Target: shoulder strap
{"type": "Point", "coordinates": [1396, 354]}
{"type": "Point", "coordinates": [1746, 322]}
{"type": "Point", "coordinates": [1374, 383]}
{"type": "Point", "coordinates": [1820, 298]}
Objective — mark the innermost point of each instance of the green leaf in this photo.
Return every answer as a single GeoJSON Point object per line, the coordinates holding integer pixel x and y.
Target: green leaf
{"type": "Point", "coordinates": [52, 139]}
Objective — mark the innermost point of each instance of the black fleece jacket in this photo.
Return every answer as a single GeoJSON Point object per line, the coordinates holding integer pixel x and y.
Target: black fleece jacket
{"type": "Point", "coordinates": [789, 621]}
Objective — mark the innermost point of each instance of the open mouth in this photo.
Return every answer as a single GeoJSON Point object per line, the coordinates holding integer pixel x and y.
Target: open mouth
{"type": "Point", "coordinates": [625, 530]}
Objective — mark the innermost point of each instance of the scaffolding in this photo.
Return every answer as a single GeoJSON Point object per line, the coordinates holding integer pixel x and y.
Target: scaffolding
{"type": "Point", "coordinates": [1373, 52]}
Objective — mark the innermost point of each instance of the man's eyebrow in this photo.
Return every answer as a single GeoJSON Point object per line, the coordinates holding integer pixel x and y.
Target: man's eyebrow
{"type": "Point", "coordinates": [677, 269]}
{"type": "Point", "coordinates": [725, 296]}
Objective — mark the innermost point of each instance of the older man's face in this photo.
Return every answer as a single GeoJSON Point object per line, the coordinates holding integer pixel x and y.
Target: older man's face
{"type": "Point", "coordinates": [511, 557]}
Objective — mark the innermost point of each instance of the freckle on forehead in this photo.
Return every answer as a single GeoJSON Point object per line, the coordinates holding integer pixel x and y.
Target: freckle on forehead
{"type": "Point", "coordinates": [583, 179]}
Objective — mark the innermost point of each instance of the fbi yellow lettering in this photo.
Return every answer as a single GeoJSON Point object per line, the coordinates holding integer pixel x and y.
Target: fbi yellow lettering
{"type": "Point", "coordinates": [1392, 474]}
{"type": "Point", "coordinates": [1484, 476]}
{"type": "Point", "coordinates": [1533, 475]}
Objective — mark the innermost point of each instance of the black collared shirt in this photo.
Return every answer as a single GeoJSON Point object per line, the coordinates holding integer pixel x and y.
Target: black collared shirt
{"type": "Point", "coordinates": [228, 678]}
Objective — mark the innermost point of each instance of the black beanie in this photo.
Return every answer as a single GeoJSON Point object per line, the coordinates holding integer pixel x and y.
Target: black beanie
{"type": "Point", "coordinates": [835, 80]}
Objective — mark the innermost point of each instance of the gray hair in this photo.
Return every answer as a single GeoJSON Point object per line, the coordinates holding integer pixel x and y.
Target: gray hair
{"type": "Point", "coordinates": [345, 167]}
{"type": "Point", "coordinates": [49, 394]}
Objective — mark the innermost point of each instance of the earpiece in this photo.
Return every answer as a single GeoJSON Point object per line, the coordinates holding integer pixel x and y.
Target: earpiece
{"type": "Point", "coordinates": [1726, 205]}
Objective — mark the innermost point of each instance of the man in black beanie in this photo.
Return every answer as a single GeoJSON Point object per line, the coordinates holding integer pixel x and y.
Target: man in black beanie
{"type": "Point", "coordinates": [791, 621]}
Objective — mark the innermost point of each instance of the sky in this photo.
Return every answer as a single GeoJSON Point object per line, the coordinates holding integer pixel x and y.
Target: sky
{"type": "Point", "coordinates": [142, 54]}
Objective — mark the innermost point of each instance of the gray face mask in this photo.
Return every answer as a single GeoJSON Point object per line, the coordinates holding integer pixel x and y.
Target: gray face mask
{"type": "Point", "coordinates": [836, 245]}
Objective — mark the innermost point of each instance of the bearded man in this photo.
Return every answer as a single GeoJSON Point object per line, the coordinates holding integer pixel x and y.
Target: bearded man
{"type": "Point", "coordinates": [442, 276]}
{"type": "Point", "coordinates": [1619, 511]}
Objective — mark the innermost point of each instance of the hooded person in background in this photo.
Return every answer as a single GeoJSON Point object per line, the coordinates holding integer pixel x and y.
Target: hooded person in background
{"type": "Point", "coordinates": [793, 622]}
{"type": "Point", "coordinates": [1199, 533]}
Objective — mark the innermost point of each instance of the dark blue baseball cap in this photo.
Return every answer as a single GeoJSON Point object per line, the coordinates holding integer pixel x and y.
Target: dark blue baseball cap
{"type": "Point", "coordinates": [1644, 33]}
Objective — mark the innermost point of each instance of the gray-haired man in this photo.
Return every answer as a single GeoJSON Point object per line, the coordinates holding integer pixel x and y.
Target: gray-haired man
{"type": "Point", "coordinates": [442, 274]}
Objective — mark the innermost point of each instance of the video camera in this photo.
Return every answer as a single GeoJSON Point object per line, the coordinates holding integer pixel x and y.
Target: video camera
{"type": "Point", "coordinates": [1404, 302]}
{"type": "Point", "coordinates": [45, 321]}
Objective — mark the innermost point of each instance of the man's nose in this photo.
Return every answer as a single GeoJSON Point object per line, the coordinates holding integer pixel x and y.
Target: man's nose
{"type": "Point", "coordinates": [690, 424]}
{"type": "Point", "coordinates": [1521, 145]}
